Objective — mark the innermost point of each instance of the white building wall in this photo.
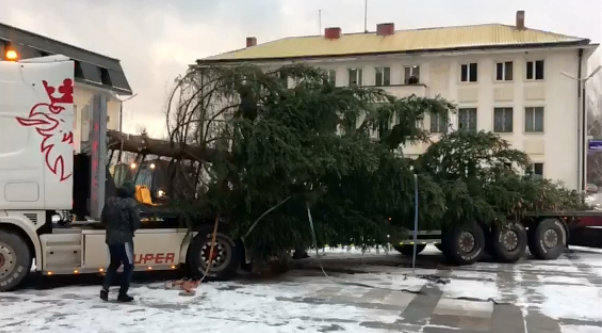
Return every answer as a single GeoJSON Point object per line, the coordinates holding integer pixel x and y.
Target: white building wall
{"type": "Point", "coordinates": [556, 147]}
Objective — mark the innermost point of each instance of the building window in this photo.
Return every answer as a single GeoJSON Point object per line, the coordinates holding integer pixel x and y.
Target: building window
{"type": "Point", "coordinates": [535, 70]}
{"type": "Point", "coordinates": [412, 75]}
{"type": "Point", "coordinates": [467, 119]}
{"type": "Point", "coordinates": [332, 77]}
{"type": "Point", "coordinates": [536, 170]}
{"type": "Point", "coordinates": [502, 120]}
{"type": "Point", "coordinates": [534, 119]}
{"type": "Point", "coordinates": [355, 76]}
{"type": "Point", "coordinates": [382, 76]}
{"type": "Point", "coordinates": [468, 72]}
{"type": "Point", "coordinates": [438, 123]}
{"type": "Point", "coordinates": [504, 71]}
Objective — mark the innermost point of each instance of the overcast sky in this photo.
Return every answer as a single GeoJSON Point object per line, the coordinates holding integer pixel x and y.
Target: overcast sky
{"type": "Point", "coordinates": [156, 40]}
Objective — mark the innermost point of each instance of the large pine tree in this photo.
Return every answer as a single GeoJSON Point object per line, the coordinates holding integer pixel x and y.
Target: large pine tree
{"type": "Point", "coordinates": [337, 150]}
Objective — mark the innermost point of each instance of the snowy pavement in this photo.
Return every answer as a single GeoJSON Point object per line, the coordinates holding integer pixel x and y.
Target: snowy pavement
{"type": "Point", "coordinates": [364, 293]}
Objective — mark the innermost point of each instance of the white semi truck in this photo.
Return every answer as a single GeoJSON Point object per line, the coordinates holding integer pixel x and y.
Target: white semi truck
{"type": "Point", "coordinates": [37, 186]}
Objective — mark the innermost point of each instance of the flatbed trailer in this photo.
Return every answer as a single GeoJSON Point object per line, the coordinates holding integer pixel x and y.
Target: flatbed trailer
{"type": "Point", "coordinates": [547, 234]}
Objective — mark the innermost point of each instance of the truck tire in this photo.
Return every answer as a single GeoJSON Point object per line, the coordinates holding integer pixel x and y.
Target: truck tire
{"type": "Point", "coordinates": [464, 244]}
{"type": "Point", "coordinates": [548, 239]}
{"type": "Point", "coordinates": [408, 250]}
{"type": "Point", "coordinates": [226, 257]}
{"type": "Point", "coordinates": [508, 242]}
{"type": "Point", "coordinates": [15, 260]}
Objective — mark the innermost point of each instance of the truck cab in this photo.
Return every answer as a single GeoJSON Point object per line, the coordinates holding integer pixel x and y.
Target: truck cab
{"type": "Point", "coordinates": [54, 180]}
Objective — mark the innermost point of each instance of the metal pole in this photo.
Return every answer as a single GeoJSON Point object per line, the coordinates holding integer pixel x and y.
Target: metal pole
{"type": "Point", "coordinates": [121, 121]}
{"type": "Point", "coordinates": [583, 140]}
{"type": "Point", "coordinates": [580, 147]}
{"type": "Point", "coordinates": [415, 220]}
{"type": "Point", "coordinates": [365, 15]}
{"type": "Point", "coordinates": [319, 21]}
{"type": "Point", "coordinates": [120, 131]}
{"type": "Point", "coordinates": [98, 155]}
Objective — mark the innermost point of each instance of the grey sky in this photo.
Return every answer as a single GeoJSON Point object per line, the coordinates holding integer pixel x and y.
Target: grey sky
{"type": "Point", "coordinates": [156, 40]}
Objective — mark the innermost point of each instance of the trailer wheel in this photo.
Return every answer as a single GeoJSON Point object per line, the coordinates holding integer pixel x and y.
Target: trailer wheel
{"type": "Point", "coordinates": [508, 242]}
{"type": "Point", "coordinates": [15, 260]}
{"type": "Point", "coordinates": [226, 256]}
{"type": "Point", "coordinates": [548, 239]}
{"type": "Point", "coordinates": [408, 250]}
{"type": "Point", "coordinates": [464, 244]}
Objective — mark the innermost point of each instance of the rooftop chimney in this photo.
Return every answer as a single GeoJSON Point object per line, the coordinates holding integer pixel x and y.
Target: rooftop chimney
{"type": "Point", "coordinates": [385, 29]}
{"type": "Point", "coordinates": [332, 33]}
{"type": "Point", "coordinates": [251, 41]}
{"type": "Point", "coordinates": [520, 20]}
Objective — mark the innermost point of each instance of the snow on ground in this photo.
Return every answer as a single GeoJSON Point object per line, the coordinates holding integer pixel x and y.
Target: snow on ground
{"type": "Point", "coordinates": [567, 301]}
{"type": "Point", "coordinates": [566, 290]}
{"type": "Point", "coordinates": [217, 307]}
{"type": "Point", "coordinates": [580, 329]}
{"type": "Point", "coordinates": [586, 249]}
{"type": "Point", "coordinates": [559, 279]}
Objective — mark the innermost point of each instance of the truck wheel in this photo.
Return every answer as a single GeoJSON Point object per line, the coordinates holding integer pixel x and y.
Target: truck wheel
{"type": "Point", "coordinates": [15, 260]}
{"type": "Point", "coordinates": [408, 250]}
{"type": "Point", "coordinates": [464, 244]}
{"type": "Point", "coordinates": [508, 242]}
{"type": "Point", "coordinates": [226, 255]}
{"type": "Point", "coordinates": [548, 239]}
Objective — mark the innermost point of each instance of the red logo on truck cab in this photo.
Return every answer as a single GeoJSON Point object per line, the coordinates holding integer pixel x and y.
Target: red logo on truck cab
{"type": "Point", "coordinates": [154, 258]}
{"type": "Point", "coordinates": [48, 121]}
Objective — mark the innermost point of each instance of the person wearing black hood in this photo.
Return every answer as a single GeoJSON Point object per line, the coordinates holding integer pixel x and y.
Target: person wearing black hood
{"type": "Point", "coordinates": [121, 218]}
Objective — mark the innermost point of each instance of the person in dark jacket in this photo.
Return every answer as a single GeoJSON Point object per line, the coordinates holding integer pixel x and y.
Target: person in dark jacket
{"type": "Point", "coordinates": [120, 216]}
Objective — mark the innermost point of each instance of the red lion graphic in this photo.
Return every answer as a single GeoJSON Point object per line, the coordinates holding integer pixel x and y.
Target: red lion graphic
{"type": "Point", "coordinates": [49, 123]}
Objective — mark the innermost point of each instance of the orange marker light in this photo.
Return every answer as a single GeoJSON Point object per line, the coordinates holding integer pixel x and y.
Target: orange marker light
{"type": "Point", "coordinates": [11, 55]}
{"type": "Point", "coordinates": [173, 267]}
{"type": "Point", "coordinates": [101, 270]}
{"type": "Point", "coordinates": [75, 271]}
{"type": "Point", "coordinates": [149, 268]}
{"type": "Point", "coordinates": [49, 273]}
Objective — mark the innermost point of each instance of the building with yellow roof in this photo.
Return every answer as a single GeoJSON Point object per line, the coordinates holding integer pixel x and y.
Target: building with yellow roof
{"type": "Point", "coordinates": [522, 83]}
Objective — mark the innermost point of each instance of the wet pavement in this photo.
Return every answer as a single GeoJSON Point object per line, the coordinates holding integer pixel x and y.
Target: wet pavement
{"type": "Point", "coordinates": [372, 292]}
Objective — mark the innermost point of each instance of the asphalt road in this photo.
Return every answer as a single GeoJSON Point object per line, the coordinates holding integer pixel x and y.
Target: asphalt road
{"type": "Point", "coordinates": [372, 292]}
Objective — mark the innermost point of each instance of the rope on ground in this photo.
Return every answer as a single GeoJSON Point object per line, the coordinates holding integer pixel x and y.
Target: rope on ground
{"type": "Point", "coordinates": [188, 286]}
{"type": "Point", "coordinates": [345, 283]}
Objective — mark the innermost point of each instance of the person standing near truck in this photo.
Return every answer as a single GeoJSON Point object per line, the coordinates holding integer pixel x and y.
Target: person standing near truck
{"type": "Point", "coordinates": [121, 219]}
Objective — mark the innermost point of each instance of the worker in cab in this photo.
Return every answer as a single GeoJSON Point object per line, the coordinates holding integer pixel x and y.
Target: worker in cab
{"type": "Point", "coordinates": [121, 219]}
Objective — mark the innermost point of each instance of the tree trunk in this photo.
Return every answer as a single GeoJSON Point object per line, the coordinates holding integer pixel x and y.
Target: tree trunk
{"type": "Point", "coordinates": [144, 145]}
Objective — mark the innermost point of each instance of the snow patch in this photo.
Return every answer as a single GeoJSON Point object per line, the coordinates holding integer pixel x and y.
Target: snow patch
{"type": "Point", "coordinates": [580, 329]}
{"type": "Point", "coordinates": [580, 302]}
{"type": "Point", "coordinates": [577, 280]}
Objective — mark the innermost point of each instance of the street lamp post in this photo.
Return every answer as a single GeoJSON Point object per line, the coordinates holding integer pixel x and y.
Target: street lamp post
{"type": "Point", "coordinates": [582, 145]}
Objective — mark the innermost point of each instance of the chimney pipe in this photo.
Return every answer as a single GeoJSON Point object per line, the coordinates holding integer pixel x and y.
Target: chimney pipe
{"type": "Point", "coordinates": [520, 20]}
{"type": "Point", "coordinates": [385, 29]}
{"type": "Point", "coordinates": [251, 41]}
{"type": "Point", "coordinates": [332, 33]}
